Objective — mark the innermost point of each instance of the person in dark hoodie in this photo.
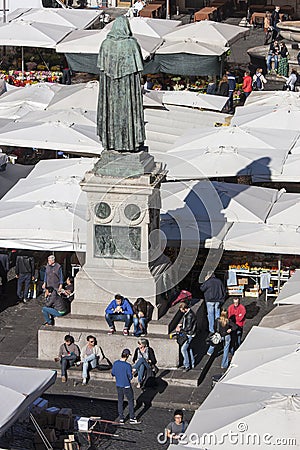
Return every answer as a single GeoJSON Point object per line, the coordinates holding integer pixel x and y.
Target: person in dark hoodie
{"type": "Point", "coordinates": [24, 275]}
{"type": "Point", "coordinates": [4, 268]}
{"type": "Point", "coordinates": [55, 306]}
{"type": "Point", "coordinates": [214, 295]}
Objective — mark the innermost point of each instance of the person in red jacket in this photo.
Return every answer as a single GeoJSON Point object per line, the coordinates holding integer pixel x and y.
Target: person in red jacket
{"type": "Point", "coordinates": [237, 314]}
{"type": "Point", "coordinates": [247, 84]}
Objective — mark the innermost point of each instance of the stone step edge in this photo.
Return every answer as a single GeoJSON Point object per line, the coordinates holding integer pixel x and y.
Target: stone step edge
{"type": "Point", "coordinates": [99, 332]}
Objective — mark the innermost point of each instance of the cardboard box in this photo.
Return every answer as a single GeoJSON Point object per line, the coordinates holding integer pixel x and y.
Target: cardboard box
{"type": "Point", "coordinates": [51, 414]}
{"type": "Point", "coordinates": [83, 423]}
{"type": "Point", "coordinates": [242, 281]}
{"type": "Point", "coordinates": [38, 406]}
{"type": "Point", "coordinates": [63, 419]}
{"type": "Point", "coordinates": [49, 433]}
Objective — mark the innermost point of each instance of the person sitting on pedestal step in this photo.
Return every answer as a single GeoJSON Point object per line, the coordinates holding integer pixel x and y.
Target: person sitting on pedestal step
{"type": "Point", "coordinates": [90, 355]}
{"type": "Point", "coordinates": [55, 306]}
{"type": "Point", "coordinates": [119, 309]}
{"type": "Point", "coordinates": [68, 355]}
{"type": "Point", "coordinates": [142, 314]}
{"type": "Point", "coordinates": [144, 361]}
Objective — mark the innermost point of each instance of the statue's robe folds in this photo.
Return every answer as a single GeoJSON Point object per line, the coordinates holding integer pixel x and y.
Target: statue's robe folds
{"type": "Point", "coordinates": [120, 123]}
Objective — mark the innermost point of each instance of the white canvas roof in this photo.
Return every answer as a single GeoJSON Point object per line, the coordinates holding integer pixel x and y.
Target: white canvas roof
{"type": "Point", "coordinates": [267, 359]}
{"type": "Point", "coordinates": [71, 18]}
{"type": "Point", "coordinates": [83, 95]}
{"type": "Point", "coordinates": [11, 176]}
{"type": "Point", "coordinates": [236, 137]}
{"type": "Point", "coordinates": [290, 292]}
{"type": "Point", "coordinates": [217, 202]}
{"type": "Point", "coordinates": [232, 415]}
{"type": "Point", "coordinates": [57, 226]}
{"type": "Point", "coordinates": [290, 171]}
{"type": "Point", "coordinates": [63, 168]}
{"type": "Point", "coordinates": [285, 210]}
{"type": "Point", "coordinates": [283, 317]}
{"type": "Point", "coordinates": [190, 47]}
{"type": "Point", "coordinates": [193, 99]}
{"type": "Point", "coordinates": [89, 41]}
{"type": "Point", "coordinates": [19, 388]}
{"type": "Point", "coordinates": [58, 135]}
{"type": "Point", "coordinates": [220, 161]}
{"type": "Point", "coordinates": [280, 118]}
{"type": "Point", "coordinates": [37, 95]}
{"type": "Point", "coordinates": [214, 33]}
{"type": "Point", "coordinates": [273, 98]}
{"type": "Point", "coordinates": [263, 238]}
{"type": "Point", "coordinates": [16, 112]}
{"type": "Point", "coordinates": [25, 34]}
{"type": "Point", "coordinates": [150, 27]}
{"type": "Point", "coordinates": [75, 116]}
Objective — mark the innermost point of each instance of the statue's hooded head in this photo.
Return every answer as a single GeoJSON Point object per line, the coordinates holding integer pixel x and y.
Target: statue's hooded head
{"type": "Point", "coordinates": [120, 29]}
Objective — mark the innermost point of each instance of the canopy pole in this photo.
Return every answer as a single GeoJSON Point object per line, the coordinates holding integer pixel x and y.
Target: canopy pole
{"type": "Point", "coordinates": [168, 10]}
{"type": "Point", "coordinates": [279, 276]}
{"type": "Point", "coordinates": [22, 56]}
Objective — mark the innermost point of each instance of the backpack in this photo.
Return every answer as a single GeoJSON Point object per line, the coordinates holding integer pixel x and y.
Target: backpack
{"type": "Point", "coordinates": [257, 84]}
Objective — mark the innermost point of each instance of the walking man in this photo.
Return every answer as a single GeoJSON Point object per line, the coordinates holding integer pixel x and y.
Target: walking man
{"type": "Point", "coordinates": [24, 274]}
{"type": "Point", "coordinates": [122, 371]}
{"type": "Point", "coordinates": [214, 295]}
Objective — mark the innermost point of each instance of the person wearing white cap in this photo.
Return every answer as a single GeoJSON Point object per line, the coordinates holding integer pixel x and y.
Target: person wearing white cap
{"type": "Point", "coordinates": [122, 371]}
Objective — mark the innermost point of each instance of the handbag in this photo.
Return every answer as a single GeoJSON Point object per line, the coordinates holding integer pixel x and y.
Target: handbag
{"type": "Point", "coordinates": [181, 337]}
{"type": "Point", "coordinates": [216, 338]}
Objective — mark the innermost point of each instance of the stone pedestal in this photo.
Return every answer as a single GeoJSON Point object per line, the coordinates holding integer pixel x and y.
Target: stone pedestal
{"type": "Point", "coordinates": [123, 253]}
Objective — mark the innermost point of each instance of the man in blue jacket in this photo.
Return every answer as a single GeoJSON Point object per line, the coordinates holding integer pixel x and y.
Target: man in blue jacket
{"type": "Point", "coordinates": [122, 371]}
{"type": "Point", "coordinates": [119, 309]}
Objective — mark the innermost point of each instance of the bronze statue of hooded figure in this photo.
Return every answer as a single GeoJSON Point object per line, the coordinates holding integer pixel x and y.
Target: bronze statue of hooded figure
{"type": "Point", "coordinates": [120, 122]}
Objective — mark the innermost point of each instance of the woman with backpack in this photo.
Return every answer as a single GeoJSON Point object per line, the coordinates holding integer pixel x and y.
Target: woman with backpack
{"type": "Point", "coordinates": [258, 80]}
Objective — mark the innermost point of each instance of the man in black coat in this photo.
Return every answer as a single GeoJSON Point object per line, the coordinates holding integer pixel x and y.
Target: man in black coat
{"type": "Point", "coordinates": [214, 295]}
{"type": "Point", "coordinates": [4, 268]}
{"type": "Point", "coordinates": [189, 327]}
{"type": "Point", "coordinates": [25, 274]}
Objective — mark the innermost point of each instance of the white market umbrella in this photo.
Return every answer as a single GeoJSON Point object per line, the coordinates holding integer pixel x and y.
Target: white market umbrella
{"type": "Point", "coordinates": [290, 171]}
{"type": "Point", "coordinates": [290, 294]}
{"type": "Point", "coordinates": [46, 189]}
{"type": "Point", "coordinates": [221, 162]}
{"type": "Point", "coordinates": [232, 415]}
{"type": "Point", "coordinates": [280, 118]}
{"type": "Point", "coordinates": [19, 388]}
{"type": "Point", "coordinates": [75, 116]}
{"type": "Point", "coordinates": [214, 201]}
{"type": "Point", "coordinates": [16, 112]}
{"type": "Point", "coordinates": [190, 47]}
{"type": "Point", "coordinates": [268, 358]}
{"type": "Point", "coordinates": [285, 316]}
{"type": "Point", "coordinates": [20, 33]}
{"type": "Point", "coordinates": [286, 210]}
{"type": "Point", "coordinates": [235, 136]}
{"type": "Point", "coordinates": [83, 95]}
{"type": "Point", "coordinates": [36, 95]}
{"type": "Point", "coordinates": [156, 28]}
{"type": "Point", "coordinates": [273, 98]}
{"type": "Point", "coordinates": [62, 168]}
{"type": "Point", "coordinates": [263, 238]}
{"type": "Point", "coordinates": [57, 225]}
{"type": "Point", "coordinates": [60, 136]}
{"type": "Point", "coordinates": [206, 31]}
{"type": "Point", "coordinates": [89, 41]}
{"type": "Point", "coordinates": [193, 99]}
{"type": "Point", "coordinates": [71, 18]}
{"type": "Point", "coordinates": [12, 174]}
